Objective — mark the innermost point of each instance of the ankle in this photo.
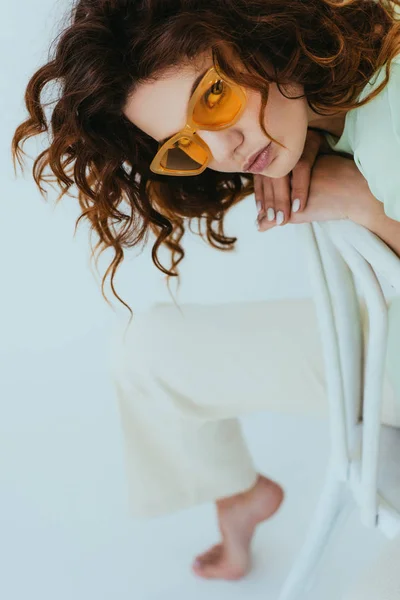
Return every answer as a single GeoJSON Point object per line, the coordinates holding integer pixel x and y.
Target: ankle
{"type": "Point", "coordinates": [262, 482]}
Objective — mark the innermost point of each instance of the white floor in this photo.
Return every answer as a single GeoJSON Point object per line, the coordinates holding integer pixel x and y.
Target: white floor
{"type": "Point", "coordinates": [65, 528]}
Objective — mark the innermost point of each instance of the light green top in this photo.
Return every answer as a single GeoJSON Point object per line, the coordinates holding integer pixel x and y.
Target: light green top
{"type": "Point", "coordinates": [372, 135]}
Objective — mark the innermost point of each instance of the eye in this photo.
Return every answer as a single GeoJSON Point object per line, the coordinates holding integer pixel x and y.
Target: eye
{"type": "Point", "coordinates": [215, 93]}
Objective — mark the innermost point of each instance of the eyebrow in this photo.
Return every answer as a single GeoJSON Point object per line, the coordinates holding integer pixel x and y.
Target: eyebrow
{"type": "Point", "coordinates": [194, 86]}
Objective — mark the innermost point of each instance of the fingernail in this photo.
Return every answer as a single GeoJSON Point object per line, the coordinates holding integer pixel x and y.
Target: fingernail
{"type": "Point", "coordinates": [270, 214]}
{"type": "Point", "coordinates": [296, 205]}
{"type": "Point", "coordinates": [258, 204]}
{"type": "Point", "coordinates": [197, 563]}
{"type": "Point", "coordinates": [279, 217]}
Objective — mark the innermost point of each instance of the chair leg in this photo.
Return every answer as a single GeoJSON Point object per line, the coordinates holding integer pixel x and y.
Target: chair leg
{"type": "Point", "coordinates": [324, 522]}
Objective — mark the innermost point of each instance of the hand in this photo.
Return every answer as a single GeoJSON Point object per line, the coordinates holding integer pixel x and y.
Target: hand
{"type": "Point", "coordinates": [338, 190]}
{"type": "Point", "coordinates": [278, 198]}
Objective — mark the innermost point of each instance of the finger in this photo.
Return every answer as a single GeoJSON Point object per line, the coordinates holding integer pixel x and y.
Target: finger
{"type": "Point", "coordinates": [268, 200]}
{"type": "Point", "coordinates": [281, 190]}
{"type": "Point", "coordinates": [258, 194]}
{"type": "Point", "coordinates": [312, 145]}
{"type": "Point", "coordinates": [265, 225]}
{"type": "Point", "coordinates": [300, 185]}
{"type": "Point", "coordinates": [301, 174]}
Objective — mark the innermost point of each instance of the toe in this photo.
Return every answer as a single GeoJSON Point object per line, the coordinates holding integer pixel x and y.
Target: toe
{"type": "Point", "coordinates": [207, 564]}
{"type": "Point", "coordinates": [208, 557]}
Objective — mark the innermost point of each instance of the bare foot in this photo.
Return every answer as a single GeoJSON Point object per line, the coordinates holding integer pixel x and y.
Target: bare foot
{"type": "Point", "coordinates": [238, 517]}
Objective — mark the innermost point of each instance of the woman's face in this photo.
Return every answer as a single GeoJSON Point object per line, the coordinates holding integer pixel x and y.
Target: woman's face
{"type": "Point", "coordinates": [159, 109]}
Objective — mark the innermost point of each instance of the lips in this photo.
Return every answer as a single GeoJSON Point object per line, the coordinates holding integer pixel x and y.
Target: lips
{"type": "Point", "coordinates": [254, 158]}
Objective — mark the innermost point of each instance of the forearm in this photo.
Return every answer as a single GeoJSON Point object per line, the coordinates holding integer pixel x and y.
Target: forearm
{"type": "Point", "coordinates": [338, 190]}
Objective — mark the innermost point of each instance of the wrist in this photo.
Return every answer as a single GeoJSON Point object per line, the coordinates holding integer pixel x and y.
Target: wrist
{"type": "Point", "coordinates": [363, 208]}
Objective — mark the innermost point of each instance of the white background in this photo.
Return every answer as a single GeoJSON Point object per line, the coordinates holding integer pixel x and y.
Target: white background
{"type": "Point", "coordinates": [65, 528]}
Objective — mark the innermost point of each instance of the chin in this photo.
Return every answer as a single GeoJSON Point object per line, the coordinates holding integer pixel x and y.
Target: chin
{"type": "Point", "coordinates": [275, 171]}
{"type": "Point", "coordinates": [280, 168]}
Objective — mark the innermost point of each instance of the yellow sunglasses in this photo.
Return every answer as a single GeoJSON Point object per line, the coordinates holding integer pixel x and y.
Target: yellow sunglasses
{"type": "Point", "coordinates": [216, 103]}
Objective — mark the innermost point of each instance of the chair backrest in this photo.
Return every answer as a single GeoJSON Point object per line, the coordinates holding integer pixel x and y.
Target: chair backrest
{"type": "Point", "coordinates": [341, 253]}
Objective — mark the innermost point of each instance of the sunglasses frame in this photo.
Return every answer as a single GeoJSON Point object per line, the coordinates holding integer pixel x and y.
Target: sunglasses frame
{"type": "Point", "coordinates": [189, 131]}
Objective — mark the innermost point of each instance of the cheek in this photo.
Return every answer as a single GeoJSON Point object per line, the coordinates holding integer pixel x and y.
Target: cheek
{"type": "Point", "coordinates": [288, 119]}
{"type": "Point", "coordinates": [290, 129]}
{"type": "Point", "coordinates": [251, 115]}
{"type": "Point", "coordinates": [287, 158]}
{"type": "Point", "coordinates": [283, 115]}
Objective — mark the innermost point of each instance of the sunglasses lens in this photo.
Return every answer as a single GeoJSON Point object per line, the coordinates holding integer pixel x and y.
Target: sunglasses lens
{"type": "Point", "coordinates": [184, 155]}
{"type": "Point", "coordinates": [218, 106]}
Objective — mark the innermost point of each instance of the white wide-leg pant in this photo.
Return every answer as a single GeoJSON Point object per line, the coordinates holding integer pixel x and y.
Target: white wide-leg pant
{"type": "Point", "coordinates": [184, 376]}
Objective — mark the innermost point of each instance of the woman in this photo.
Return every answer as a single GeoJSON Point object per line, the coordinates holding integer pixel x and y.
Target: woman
{"type": "Point", "coordinates": [174, 110]}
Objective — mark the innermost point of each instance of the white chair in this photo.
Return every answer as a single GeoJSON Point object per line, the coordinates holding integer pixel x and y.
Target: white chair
{"type": "Point", "coordinates": [363, 452]}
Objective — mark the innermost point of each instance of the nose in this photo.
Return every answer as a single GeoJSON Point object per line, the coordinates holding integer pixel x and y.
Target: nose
{"type": "Point", "coordinates": [222, 144]}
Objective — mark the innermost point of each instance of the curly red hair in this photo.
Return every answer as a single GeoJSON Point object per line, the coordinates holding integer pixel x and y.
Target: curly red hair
{"type": "Point", "coordinates": [331, 48]}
